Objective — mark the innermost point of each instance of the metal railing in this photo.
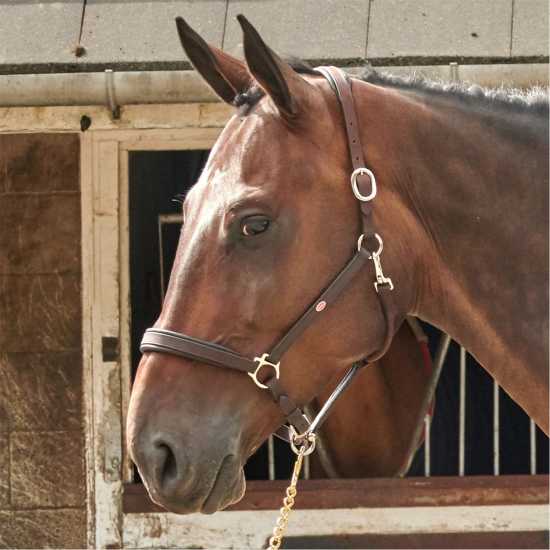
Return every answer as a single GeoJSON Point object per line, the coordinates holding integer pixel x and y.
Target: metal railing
{"type": "Point", "coordinates": [496, 421]}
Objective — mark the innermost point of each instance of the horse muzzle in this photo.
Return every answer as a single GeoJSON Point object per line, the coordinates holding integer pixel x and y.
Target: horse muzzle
{"type": "Point", "coordinates": [183, 483]}
{"type": "Point", "coordinates": [186, 464]}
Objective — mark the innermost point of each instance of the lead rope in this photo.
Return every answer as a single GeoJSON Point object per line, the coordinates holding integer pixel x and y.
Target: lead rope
{"type": "Point", "coordinates": [302, 445]}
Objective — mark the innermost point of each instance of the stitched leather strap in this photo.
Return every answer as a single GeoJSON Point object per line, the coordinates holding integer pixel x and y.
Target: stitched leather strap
{"type": "Point", "coordinates": [321, 304]}
{"type": "Point", "coordinates": [174, 343]}
{"type": "Point", "coordinates": [343, 88]}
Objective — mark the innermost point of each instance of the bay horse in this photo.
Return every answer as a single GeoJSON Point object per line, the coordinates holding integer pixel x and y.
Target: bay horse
{"type": "Point", "coordinates": [462, 205]}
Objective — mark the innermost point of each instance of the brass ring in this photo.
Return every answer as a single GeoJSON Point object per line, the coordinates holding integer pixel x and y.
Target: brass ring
{"type": "Point", "coordinates": [308, 440]}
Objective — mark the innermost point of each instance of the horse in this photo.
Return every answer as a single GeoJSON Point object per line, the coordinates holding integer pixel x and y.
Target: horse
{"type": "Point", "coordinates": [272, 220]}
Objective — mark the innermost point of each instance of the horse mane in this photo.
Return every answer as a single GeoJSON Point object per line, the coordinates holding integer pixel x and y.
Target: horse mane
{"type": "Point", "coordinates": [534, 100]}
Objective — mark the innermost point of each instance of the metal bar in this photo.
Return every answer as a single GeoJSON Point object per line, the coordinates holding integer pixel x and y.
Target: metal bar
{"type": "Point", "coordinates": [462, 412]}
{"type": "Point", "coordinates": [427, 450]}
{"type": "Point", "coordinates": [271, 458]}
{"type": "Point", "coordinates": [533, 446]}
{"type": "Point", "coordinates": [170, 218]}
{"type": "Point", "coordinates": [110, 92]}
{"type": "Point", "coordinates": [496, 429]}
{"type": "Point", "coordinates": [440, 356]}
{"type": "Point", "coordinates": [441, 353]}
{"type": "Point", "coordinates": [342, 385]}
{"type": "Point", "coordinates": [453, 71]}
{"type": "Point", "coordinates": [307, 471]}
{"type": "Point", "coordinates": [161, 258]}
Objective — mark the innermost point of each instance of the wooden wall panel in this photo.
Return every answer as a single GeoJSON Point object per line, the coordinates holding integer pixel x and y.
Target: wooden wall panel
{"type": "Point", "coordinates": [42, 475]}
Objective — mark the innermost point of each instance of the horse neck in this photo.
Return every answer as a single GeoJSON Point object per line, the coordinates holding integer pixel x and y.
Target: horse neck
{"type": "Point", "coordinates": [476, 185]}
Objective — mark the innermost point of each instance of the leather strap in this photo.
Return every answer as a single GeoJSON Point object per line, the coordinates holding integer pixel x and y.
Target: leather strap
{"type": "Point", "coordinates": [320, 417]}
{"type": "Point", "coordinates": [319, 306]}
{"type": "Point", "coordinates": [343, 87]}
{"type": "Point", "coordinates": [174, 343]}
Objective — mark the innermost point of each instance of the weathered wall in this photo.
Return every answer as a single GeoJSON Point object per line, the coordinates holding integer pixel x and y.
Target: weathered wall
{"type": "Point", "coordinates": [42, 475]}
{"type": "Point", "coordinates": [141, 35]}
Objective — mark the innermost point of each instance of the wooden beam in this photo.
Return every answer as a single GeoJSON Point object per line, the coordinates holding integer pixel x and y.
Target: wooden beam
{"type": "Point", "coordinates": [376, 493]}
{"type": "Point", "coordinates": [462, 541]}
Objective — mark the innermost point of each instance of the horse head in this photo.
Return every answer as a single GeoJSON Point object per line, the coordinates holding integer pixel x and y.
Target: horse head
{"type": "Point", "coordinates": [268, 225]}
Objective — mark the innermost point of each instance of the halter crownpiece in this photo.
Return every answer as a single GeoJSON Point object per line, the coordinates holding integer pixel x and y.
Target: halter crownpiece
{"type": "Point", "coordinates": [300, 432]}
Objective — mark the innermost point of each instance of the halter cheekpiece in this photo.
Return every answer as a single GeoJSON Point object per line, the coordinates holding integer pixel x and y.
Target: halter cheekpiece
{"type": "Point", "coordinates": [265, 368]}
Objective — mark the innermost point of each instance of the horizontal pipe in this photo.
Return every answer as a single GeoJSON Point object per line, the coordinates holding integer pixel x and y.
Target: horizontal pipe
{"type": "Point", "coordinates": [143, 87]}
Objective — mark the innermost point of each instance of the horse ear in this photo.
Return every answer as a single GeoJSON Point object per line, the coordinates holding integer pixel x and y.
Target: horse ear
{"type": "Point", "coordinates": [279, 80]}
{"type": "Point", "coordinates": [225, 74]}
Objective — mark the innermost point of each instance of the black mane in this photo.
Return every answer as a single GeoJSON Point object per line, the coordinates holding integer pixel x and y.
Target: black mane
{"type": "Point", "coordinates": [534, 100]}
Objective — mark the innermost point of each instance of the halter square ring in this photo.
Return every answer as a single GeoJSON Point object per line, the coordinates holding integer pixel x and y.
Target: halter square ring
{"type": "Point", "coordinates": [262, 362]}
{"type": "Point", "coordinates": [366, 172]}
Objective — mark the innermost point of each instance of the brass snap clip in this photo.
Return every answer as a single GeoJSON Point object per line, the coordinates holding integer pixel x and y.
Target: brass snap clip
{"type": "Point", "coordinates": [381, 279]}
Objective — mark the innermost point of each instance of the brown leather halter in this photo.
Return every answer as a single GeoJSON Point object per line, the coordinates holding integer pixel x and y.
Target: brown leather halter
{"type": "Point", "coordinates": [369, 247]}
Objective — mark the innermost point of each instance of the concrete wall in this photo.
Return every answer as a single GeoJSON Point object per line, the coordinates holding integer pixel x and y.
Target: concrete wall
{"type": "Point", "coordinates": [141, 35]}
{"type": "Point", "coordinates": [42, 477]}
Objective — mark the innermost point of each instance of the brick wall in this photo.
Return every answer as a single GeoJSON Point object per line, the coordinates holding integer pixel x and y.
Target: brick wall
{"type": "Point", "coordinates": [42, 475]}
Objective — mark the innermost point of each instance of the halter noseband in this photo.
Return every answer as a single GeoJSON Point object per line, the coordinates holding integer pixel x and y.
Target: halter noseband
{"type": "Point", "coordinates": [369, 247]}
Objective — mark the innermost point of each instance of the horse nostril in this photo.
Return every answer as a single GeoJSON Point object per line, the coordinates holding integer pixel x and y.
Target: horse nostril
{"type": "Point", "coordinates": [166, 464]}
{"type": "Point", "coordinates": [168, 470]}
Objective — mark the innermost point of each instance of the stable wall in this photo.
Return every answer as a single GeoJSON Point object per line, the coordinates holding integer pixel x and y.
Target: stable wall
{"type": "Point", "coordinates": [42, 468]}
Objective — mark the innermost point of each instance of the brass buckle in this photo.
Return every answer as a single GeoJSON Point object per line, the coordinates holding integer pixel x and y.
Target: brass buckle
{"type": "Point", "coordinates": [262, 362]}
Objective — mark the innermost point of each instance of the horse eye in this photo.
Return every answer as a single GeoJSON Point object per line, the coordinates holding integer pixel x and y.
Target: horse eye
{"type": "Point", "coordinates": [254, 225]}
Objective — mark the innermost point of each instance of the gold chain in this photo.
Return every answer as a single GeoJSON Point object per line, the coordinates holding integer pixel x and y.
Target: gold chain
{"type": "Point", "coordinates": [288, 502]}
{"type": "Point", "coordinates": [302, 445]}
